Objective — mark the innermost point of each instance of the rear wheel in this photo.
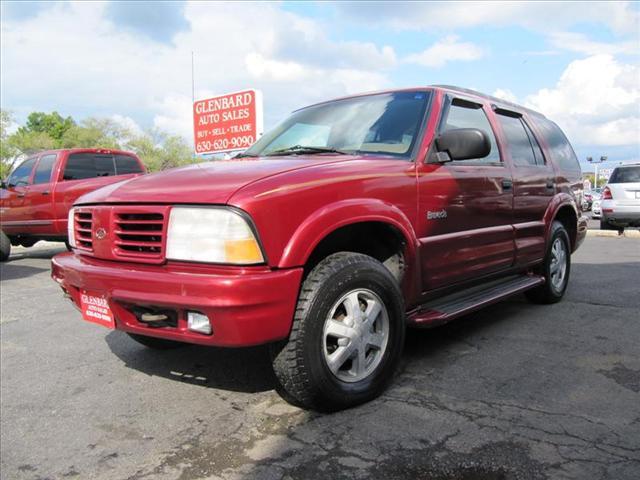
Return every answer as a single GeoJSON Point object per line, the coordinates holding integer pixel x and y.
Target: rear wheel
{"type": "Point", "coordinates": [555, 268]}
{"type": "Point", "coordinates": [347, 335]}
{"type": "Point", "coordinates": [156, 343]}
{"type": "Point", "coordinates": [5, 247]}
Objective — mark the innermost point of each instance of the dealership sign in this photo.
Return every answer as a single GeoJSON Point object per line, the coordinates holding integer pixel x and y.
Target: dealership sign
{"type": "Point", "coordinates": [227, 122]}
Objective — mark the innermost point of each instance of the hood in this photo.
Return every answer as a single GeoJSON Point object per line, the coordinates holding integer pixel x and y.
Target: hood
{"type": "Point", "coordinates": [206, 183]}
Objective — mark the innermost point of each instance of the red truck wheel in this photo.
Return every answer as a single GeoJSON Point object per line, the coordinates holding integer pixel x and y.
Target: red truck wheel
{"type": "Point", "coordinates": [555, 268]}
{"type": "Point", "coordinates": [347, 335]}
{"type": "Point", "coordinates": [5, 247]}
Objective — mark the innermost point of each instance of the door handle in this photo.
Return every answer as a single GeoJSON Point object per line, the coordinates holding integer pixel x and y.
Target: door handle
{"type": "Point", "coordinates": [20, 195]}
{"type": "Point", "coordinates": [507, 184]}
{"type": "Point", "coordinates": [549, 184]}
{"type": "Point", "coordinates": [46, 192]}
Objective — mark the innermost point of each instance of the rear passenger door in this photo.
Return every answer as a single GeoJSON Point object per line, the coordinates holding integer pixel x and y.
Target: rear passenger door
{"type": "Point", "coordinates": [533, 185]}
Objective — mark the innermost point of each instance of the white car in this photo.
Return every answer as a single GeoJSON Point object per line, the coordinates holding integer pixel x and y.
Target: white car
{"type": "Point", "coordinates": [620, 203]}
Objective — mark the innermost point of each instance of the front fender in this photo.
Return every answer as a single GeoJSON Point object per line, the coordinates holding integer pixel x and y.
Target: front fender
{"type": "Point", "coordinates": [333, 216]}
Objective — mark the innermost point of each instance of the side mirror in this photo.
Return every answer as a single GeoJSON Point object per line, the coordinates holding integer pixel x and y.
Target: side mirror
{"type": "Point", "coordinates": [464, 143]}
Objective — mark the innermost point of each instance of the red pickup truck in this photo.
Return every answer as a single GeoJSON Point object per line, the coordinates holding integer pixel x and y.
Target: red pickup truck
{"type": "Point", "coordinates": [36, 198]}
{"type": "Point", "coordinates": [351, 220]}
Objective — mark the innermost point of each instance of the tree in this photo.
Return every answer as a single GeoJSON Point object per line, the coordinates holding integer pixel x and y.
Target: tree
{"type": "Point", "coordinates": [53, 124]}
{"type": "Point", "coordinates": [7, 151]}
{"type": "Point", "coordinates": [46, 131]}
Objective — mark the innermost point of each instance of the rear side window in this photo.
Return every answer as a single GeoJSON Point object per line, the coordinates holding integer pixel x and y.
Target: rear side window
{"type": "Point", "coordinates": [88, 165]}
{"type": "Point", "coordinates": [463, 116]}
{"type": "Point", "coordinates": [518, 141]}
{"type": "Point", "coordinates": [43, 170]}
{"type": "Point", "coordinates": [559, 148]}
{"type": "Point", "coordinates": [625, 175]}
{"type": "Point", "coordinates": [127, 164]}
{"type": "Point", "coordinates": [21, 175]}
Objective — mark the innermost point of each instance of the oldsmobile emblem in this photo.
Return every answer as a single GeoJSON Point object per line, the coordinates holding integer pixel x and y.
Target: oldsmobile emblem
{"type": "Point", "coordinates": [101, 233]}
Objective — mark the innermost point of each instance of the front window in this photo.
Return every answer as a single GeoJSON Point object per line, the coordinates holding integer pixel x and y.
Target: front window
{"type": "Point", "coordinates": [383, 124]}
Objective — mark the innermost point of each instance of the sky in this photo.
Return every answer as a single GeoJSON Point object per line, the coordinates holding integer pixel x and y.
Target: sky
{"type": "Point", "coordinates": [576, 62]}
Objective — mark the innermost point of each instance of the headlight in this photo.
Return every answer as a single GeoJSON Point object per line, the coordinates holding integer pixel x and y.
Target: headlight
{"type": "Point", "coordinates": [71, 230]}
{"type": "Point", "coordinates": [212, 235]}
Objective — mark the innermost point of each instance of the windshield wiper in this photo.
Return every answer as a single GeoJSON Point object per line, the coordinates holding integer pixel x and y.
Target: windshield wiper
{"type": "Point", "coordinates": [296, 149]}
{"type": "Point", "coordinates": [245, 155]}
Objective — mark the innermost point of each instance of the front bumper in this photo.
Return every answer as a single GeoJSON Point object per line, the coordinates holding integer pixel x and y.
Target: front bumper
{"type": "Point", "coordinates": [246, 306]}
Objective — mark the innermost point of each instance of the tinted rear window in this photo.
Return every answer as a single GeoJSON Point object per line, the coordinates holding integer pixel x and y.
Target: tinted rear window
{"type": "Point", "coordinates": [561, 152]}
{"type": "Point", "coordinates": [88, 165]}
{"type": "Point", "coordinates": [625, 175]}
{"type": "Point", "coordinates": [127, 164]}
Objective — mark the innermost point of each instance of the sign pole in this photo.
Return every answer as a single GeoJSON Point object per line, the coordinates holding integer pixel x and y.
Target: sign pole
{"type": "Point", "coordinates": [193, 98]}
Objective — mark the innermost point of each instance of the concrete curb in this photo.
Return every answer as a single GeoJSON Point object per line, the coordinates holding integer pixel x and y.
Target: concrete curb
{"type": "Point", "coordinates": [613, 233]}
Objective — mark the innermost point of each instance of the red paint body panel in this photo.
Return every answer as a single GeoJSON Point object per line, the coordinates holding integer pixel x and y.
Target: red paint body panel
{"type": "Point", "coordinates": [246, 306]}
{"type": "Point", "coordinates": [296, 201]}
{"type": "Point", "coordinates": [42, 211]}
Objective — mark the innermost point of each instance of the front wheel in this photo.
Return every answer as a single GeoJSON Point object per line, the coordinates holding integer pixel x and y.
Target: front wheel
{"type": "Point", "coordinates": [347, 335]}
{"type": "Point", "coordinates": [555, 268]}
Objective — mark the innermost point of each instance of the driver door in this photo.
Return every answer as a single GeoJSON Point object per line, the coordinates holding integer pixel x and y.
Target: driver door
{"type": "Point", "coordinates": [13, 198]}
{"type": "Point", "coordinates": [465, 207]}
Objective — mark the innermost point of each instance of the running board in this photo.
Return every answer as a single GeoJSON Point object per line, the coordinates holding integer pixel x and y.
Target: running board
{"type": "Point", "coordinates": [456, 304]}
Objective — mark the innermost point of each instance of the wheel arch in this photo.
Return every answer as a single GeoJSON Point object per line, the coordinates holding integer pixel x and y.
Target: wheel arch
{"type": "Point", "coordinates": [564, 210]}
{"type": "Point", "coordinates": [351, 225]}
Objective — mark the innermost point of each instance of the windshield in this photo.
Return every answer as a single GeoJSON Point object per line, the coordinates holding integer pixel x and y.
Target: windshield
{"type": "Point", "coordinates": [383, 124]}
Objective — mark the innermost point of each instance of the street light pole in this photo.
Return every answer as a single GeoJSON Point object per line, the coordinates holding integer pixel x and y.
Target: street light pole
{"type": "Point", "coordinates": [603, 158]}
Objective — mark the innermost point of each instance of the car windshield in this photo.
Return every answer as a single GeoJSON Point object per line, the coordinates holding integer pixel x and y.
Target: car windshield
{"type": "Point", "coordinates": [625, 175]}
{"type": "Point", "coordinates": [382, 124]}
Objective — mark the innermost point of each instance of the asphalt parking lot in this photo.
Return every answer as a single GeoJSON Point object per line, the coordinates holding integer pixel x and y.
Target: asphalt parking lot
{"type": "Point", "coordinates": [517, 391]}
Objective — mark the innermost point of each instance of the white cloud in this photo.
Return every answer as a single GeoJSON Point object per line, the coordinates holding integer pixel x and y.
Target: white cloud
{"type": "Point", "coordinates": [446, 50]}
{"type": "Point", "coordinates": [261, 67]}
{"type": "Point", "coordinates": [543, 16]}
{"type": "Point", "coordinates": [505, 94]}
{"type": "Point", "coordinates": [596, 100]}
{"type": "Point", "coordinates": [127, 122]}
{"type": "Point", "coordinates": [175, 116]}
{"type": "Point", "coordinates": [99, 69]}
{"type": "Point", "coordinates": [578, 42]}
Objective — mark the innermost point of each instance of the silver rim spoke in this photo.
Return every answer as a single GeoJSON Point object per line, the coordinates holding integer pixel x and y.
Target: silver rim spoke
{"type": "Point", "coordinates": [355, 335]}
{"type": "Point", "coordinates": [558, 267]}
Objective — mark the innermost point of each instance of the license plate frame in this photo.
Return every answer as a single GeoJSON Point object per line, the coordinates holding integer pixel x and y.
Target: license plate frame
{"type": "Point", "coordinates": [95, 309]}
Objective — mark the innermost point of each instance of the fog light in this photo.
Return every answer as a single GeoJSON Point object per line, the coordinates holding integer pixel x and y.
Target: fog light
{"type": "Point", "coordinates": [198, 322]}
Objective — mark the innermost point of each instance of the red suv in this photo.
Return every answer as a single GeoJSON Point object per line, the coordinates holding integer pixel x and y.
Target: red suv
{"type": "Point", "coordinates": [351, 220]}
{"type": "Point", "coordinates": [36, 198]}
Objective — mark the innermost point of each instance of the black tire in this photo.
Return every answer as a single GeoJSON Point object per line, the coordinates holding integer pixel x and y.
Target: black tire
{"type": "Point", "coordinates": [156, 343]}
{"type": "Point", "coordinates": [604, 225]}
{"type": "Point", "coordinates": [5, 247]}
{"type": "Point", "coordinates": [303, 375]}
{"type": "Point", "coordinates": [548, 292]}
